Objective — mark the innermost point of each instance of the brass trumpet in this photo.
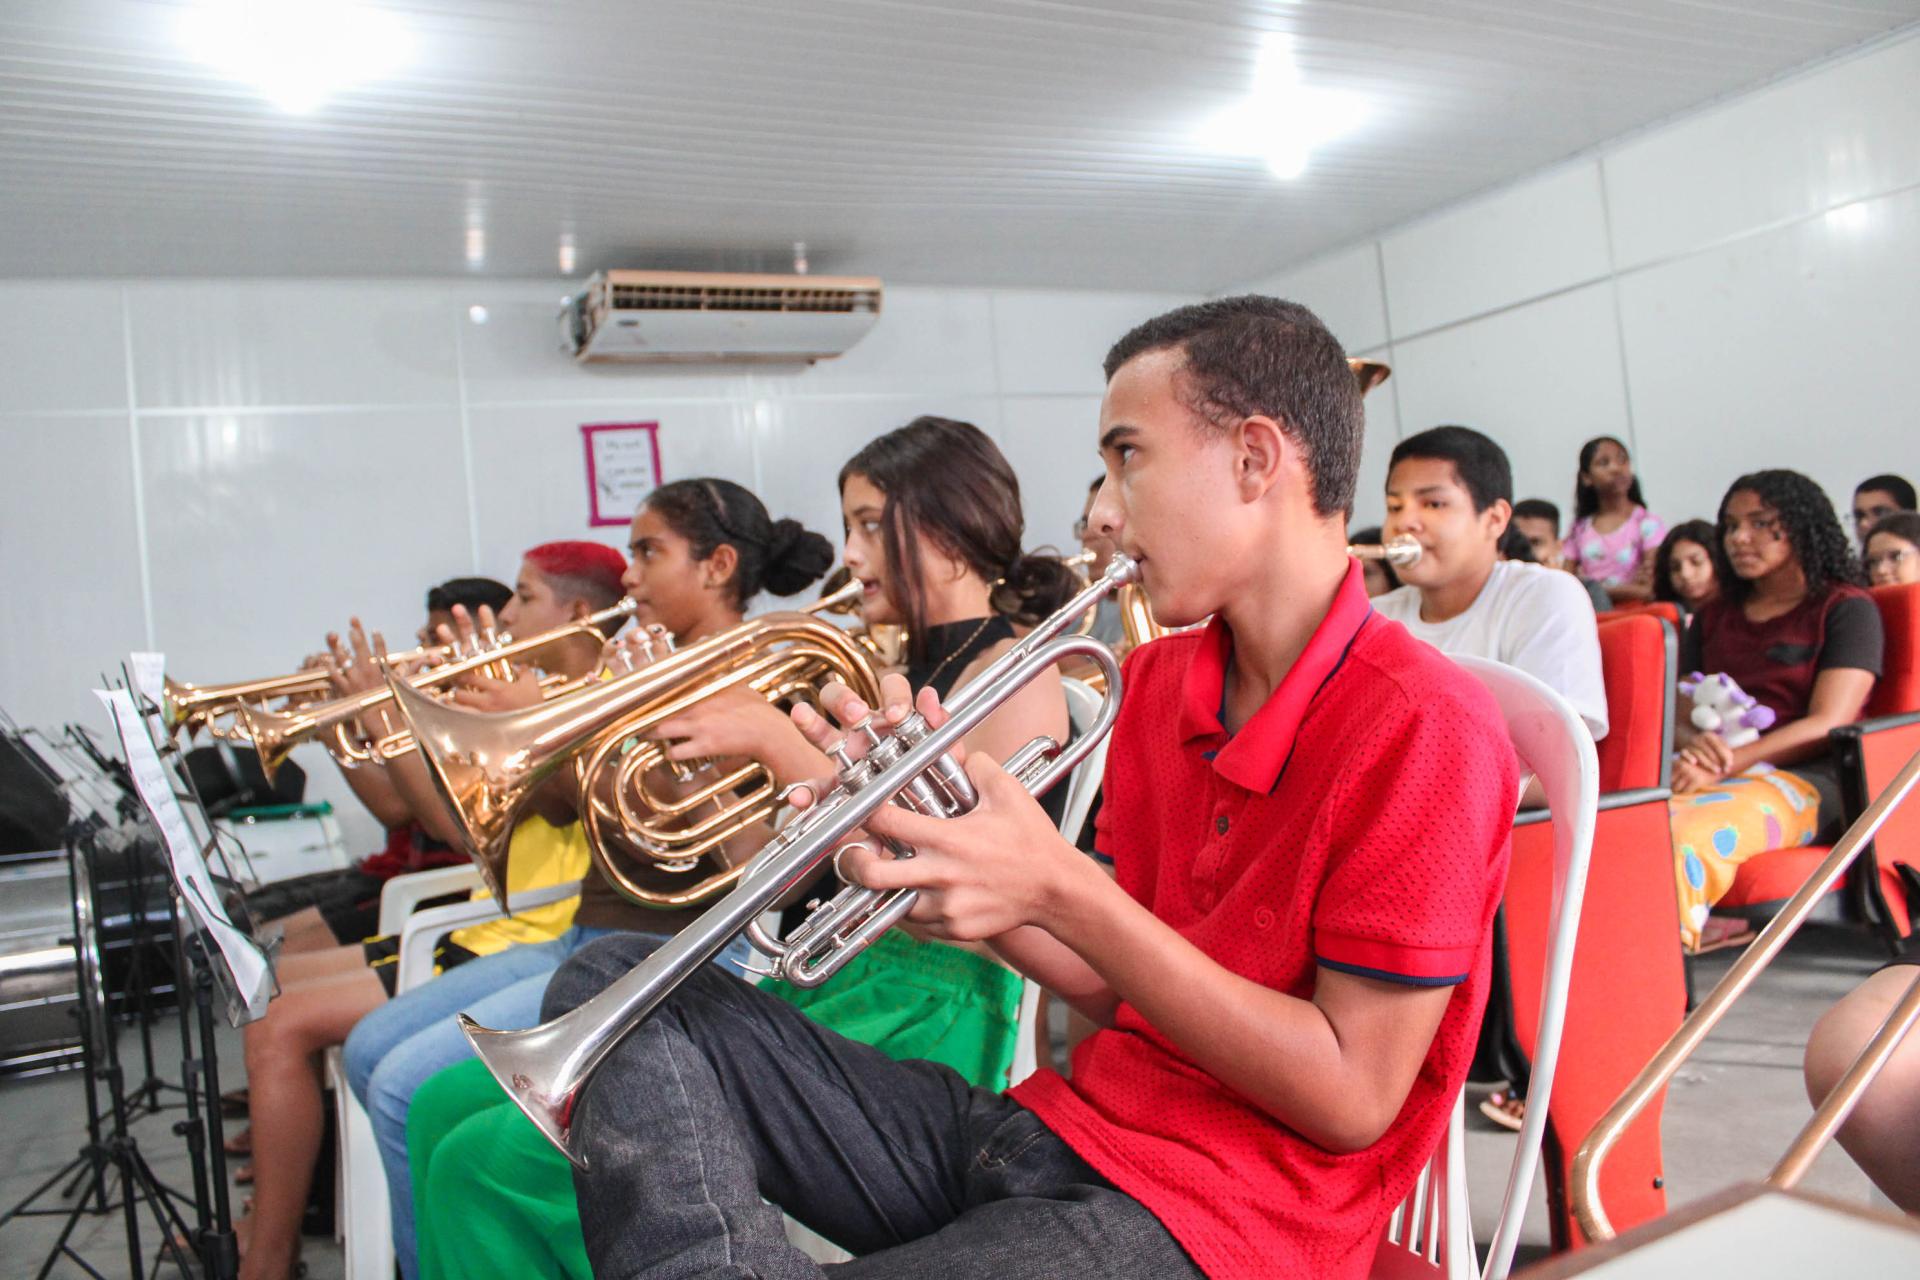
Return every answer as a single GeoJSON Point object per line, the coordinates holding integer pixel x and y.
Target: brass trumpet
{"type": "Point", "coordinates": [486, 765]}
{"type": "Point", "coordinates": [275, 734]}
{"type": "Point", "coordinates": [189, 708]}
{"type": "Point", "coordinates": [544, 1069]}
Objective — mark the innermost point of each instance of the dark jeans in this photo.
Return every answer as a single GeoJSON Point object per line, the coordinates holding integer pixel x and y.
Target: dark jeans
{"type": "Point", "coordinates": [728, 1094]}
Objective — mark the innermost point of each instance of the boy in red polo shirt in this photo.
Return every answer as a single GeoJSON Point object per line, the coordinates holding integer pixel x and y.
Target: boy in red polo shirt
{"type": "Point", "coordinates": [1307, 812]}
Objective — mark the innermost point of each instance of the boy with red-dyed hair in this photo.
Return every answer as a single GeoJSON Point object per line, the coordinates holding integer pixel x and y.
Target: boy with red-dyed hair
{"type": "Point", "coordinates": [1307, 812]}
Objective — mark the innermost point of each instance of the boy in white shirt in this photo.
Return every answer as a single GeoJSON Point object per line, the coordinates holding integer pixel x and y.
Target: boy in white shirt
{"type": "Point", "coordinates": [1451, 490]}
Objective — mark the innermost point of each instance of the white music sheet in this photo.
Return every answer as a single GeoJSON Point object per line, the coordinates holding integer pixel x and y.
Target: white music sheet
{"type": "Point", "coordinates": [252, 976]}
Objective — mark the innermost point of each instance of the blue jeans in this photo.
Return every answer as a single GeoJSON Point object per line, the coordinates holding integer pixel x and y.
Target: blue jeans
{"type": "Point", "coordinates": [395, 1048]}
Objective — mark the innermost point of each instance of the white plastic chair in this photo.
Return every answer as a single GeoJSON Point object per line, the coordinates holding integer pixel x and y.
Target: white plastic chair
{"type": "Point", "coordinates": [362, 1221]}
{"type": "Point", "coordinates": [1431, 1234]}
{"type": "Point", "coordinates": [1083, 784]}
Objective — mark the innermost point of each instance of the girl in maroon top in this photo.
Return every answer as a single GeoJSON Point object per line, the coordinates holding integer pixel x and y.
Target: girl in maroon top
{"type": "Point", "coordinates": [1794, 628]}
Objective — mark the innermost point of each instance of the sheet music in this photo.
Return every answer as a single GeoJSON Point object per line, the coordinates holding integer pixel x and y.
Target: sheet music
{"type": "Point", "coordinates": [245, 961]}
{"type": "Point", "coordinates": [150, 675]}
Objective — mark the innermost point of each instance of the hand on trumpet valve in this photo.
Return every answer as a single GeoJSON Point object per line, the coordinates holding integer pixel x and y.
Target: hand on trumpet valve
{"type": "Point", "coordinates": [635, 648]}
{"type": "Point", "coordinates": [980, 873]}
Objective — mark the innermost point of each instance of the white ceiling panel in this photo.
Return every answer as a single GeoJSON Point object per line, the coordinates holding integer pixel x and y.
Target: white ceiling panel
{"type": "Point", "coordinates": [1032, 142]}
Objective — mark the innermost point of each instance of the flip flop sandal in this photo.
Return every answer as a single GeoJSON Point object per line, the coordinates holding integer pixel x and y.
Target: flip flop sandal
{"type": "Point", "coordinates": [1504, 1109]}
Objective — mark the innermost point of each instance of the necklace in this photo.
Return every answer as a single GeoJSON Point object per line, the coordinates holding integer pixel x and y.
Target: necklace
{"type": "Point", "coordinates": [934, 675]}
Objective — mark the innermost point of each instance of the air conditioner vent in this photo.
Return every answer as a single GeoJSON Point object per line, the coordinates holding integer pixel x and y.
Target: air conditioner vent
{"type": "Point", "coordinates": [654, 316]}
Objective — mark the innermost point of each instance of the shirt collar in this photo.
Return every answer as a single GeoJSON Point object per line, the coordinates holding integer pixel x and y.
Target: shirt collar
{"type": "Point", "coordinates": [1254, 757]}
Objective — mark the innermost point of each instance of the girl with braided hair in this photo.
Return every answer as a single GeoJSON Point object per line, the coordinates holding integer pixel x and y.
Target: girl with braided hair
{"type": "Point", "coordinates": [1794, 628]}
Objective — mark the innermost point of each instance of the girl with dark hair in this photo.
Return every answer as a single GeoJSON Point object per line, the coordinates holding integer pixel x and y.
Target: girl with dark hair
{"type": "Point", "coordinates": [1793, 628]}
{"type": "Point", "coordinates": [1892, 552]}
{"type": "Point", "coordinates": [700, 549]}
{"type": "Point", "coordinates": [1613, 535]}
{"type": "Point", "coordinates": [1683, 568]}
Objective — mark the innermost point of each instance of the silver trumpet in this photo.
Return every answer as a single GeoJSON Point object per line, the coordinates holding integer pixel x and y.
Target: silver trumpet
{"type": "Point", "coordinates": [545, 1069]}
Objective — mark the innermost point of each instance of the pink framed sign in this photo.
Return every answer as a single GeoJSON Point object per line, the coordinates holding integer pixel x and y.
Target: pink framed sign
{"type": "Point", "coordinates": [623, 467]}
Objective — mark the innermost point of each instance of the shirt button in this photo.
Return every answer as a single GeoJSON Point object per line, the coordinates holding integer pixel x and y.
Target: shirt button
{"type": "Point", "coordinates": [1220, 824]}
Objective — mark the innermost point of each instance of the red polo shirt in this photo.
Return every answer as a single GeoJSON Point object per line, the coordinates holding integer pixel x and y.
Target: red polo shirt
{"type": "Point", "coordinates": [1358, 821]}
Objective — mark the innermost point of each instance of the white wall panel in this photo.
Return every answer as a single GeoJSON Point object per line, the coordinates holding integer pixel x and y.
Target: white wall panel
{"type": "Point", "coordinates": [291, 343]}
{"type": "Point", "coordinates": [266, 530]}
{"type": "Point", "coordinates": [64, 345]}
{"type": "Point", "coordinates": [1792, 349]}
{"type": "Point", "coordinates": [1540, 380]}
{"type": "Point", "coordinates": [934, 342]}
{"type": "Point", "coordinates": [529, 467]}
{"type": "Point", "coordinates": [1053, 443]}
{"type": "Point", "coordinates": [1544, 234]}
{"type": "Point", "coordinates": [1342, 289]}
{"type": "Point", "coordinates": [68, 541]}
{"type": "Point", "coordinates": [1383, 432]}
{"type": "Point", "coordinates": [1844, 132]}
{"type": "Point", "coordinates": [1051, 342]}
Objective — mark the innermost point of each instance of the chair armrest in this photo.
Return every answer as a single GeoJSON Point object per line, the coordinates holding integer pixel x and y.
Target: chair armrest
{"type": "Point", "coordinates": [1635, 796]}
{"type": "Point", "coordinates": [400, 896]}
{"type": "Point", "coordinates": [1878, 724]}
{"type": "Point", "coordinates": [425, 929]}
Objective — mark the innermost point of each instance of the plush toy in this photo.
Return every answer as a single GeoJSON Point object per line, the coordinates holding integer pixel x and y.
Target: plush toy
{"type": "Point", "coordinates": [1721, 706]}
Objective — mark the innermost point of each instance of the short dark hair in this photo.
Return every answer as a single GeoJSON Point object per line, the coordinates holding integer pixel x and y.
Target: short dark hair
{"type": "Point", "coordinates": [1699, 532]}
{"type": "Point", "coordinates": [1901, 489]}
{"type": "Point", "coordinates": [1480, 463]}
{"type": "Point", "coordinates": [781, 556]}
{"type": "Point", "coordinates": [1514, 546]}
{"type": "Point", "coordinates": [1537, 509]}
{"type": "Point", "coordinates": [1258, 355]}
{"type": "Point", "coordinates": [471, 592]}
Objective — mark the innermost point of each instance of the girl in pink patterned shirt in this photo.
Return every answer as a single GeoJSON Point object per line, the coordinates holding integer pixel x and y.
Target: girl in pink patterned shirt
{"type": "Point", "coordinates": [1614, 537]}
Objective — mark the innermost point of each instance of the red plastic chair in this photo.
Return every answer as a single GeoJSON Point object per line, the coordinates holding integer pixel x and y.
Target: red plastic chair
{"type": "Point", "coordinates": [1880, 890]}
{"type": "Point", "coordinates": [1628, 989]}
{"type": "Point", "coordinates": [1665, 610]}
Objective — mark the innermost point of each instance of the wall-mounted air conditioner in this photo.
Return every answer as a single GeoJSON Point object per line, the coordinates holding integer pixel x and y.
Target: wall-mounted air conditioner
{"type": "Point", "coordinates": [653, 316]}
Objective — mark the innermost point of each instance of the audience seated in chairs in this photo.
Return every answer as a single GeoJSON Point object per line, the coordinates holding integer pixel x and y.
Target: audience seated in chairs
{"type": "Point", "coordinates": [1794, 629]}
{"type": "Point", "coordinates": [1879, 496]}
{"type": "Point", "coordinates": [1613, 536]}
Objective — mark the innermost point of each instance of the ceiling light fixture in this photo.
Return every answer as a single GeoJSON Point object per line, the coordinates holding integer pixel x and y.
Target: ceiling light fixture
{"type": "Point", "coordinates": [1281, 120]}
{"type": "Point", "coordinates": [297, 53]}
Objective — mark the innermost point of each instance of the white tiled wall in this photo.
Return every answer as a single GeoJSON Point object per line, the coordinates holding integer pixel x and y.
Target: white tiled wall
{"type": "Point", "coordinates": [1732, 290]}
{"type": "Point", "coordinates": [228, 468]}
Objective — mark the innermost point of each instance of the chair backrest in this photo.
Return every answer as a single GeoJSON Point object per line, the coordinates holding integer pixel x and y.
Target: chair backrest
{"type": "Point", "coordinates": [1898, 688]}
{"type": "Point", "coordinates": [1083, 784]}
{"type": "Point", "coordinates": [1638, 654]}
{"type": "Point", "coordinates": [1554, 745]}
{"type": "Point", "coordinates": [1665, 610]}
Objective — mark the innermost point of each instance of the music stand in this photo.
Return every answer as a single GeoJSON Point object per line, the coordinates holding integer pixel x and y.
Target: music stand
{"type": "Point", "coordinates": [111, 1148]}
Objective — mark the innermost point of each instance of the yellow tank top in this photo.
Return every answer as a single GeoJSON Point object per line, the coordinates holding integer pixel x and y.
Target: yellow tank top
{"type": "Point", "coordinates": [541, 855]}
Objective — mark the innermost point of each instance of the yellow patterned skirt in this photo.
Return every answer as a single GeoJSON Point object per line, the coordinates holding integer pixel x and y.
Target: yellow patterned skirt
{"type": "Point", "coordinates": [1715, 831]}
